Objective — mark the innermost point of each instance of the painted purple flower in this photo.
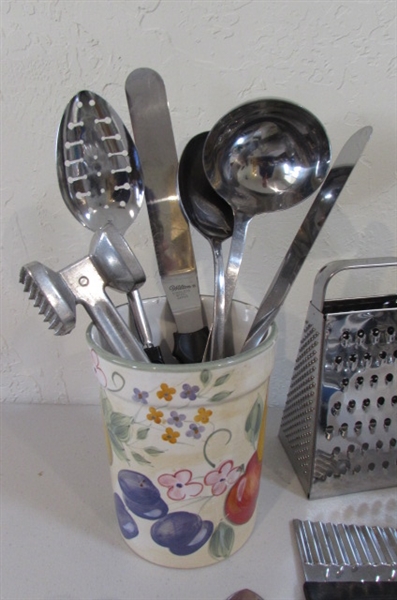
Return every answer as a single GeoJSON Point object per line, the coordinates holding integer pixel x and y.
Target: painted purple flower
{"type": "Point", "coordinates": [195, 431]}
{"type": "Point", "coordinates": [176, 418]}
{"type": "Point", "coordinates": [189, 391]}
{"type": "Point", "coordinates": [140, 396]}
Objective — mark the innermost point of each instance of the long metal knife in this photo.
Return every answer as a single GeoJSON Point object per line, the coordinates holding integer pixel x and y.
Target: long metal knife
{"type": "Point", "coordinates": [306, 236]}
{"type": "Point", "coordinates": [154, 139]}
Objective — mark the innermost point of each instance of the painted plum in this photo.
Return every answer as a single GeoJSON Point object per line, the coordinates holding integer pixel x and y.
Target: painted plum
{"type": "Point", "coordinates": [182, 532]}
{"type": "Point", "coordinates": [127, 525]}
{"type": "Point", "coordinates": [141, 496]}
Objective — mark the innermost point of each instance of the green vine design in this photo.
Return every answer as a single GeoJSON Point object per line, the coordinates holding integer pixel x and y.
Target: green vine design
{"type": "Point", "coordinates": [120, 435]}
{"type": "Point", "coordinates": [206, 376]}
{"type": "Point", "coordinates": [119, 386]}
{"type": "Point", "coordinates": [213, 465]}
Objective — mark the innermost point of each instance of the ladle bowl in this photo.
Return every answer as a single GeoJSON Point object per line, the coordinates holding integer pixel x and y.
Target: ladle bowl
{"type": "Point", "coordinates": [266, 155]}
{"type": "Point", "coordinates": [263, 156]}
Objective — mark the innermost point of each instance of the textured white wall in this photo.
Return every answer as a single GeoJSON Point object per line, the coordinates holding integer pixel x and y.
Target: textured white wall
{"type": "Point", "coordinates": [336, 58]}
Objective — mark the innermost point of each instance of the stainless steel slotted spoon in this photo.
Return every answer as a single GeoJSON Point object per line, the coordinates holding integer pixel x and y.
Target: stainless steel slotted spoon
{"type": "Point", "coordinates": [100, 178]}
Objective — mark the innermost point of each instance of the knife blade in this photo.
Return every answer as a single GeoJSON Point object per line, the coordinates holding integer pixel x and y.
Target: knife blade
{"type": "Point", "coordinates": [154, 139]}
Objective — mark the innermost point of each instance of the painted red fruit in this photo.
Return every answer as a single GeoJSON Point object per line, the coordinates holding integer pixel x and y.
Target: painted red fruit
{"type": "Point", "coordinates": [241, 499]}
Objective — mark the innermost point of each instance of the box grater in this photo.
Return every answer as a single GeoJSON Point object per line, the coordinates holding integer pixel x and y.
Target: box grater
{"type": "Point", "coordinates": [339, 425]}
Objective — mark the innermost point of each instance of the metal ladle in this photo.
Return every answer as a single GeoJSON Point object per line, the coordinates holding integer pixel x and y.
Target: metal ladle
{"type": "Point", "coordinates": [213, 218]}
{"type": "Point", "coordinates": [99, 174]}
{"type": "Point", "coordinates": [263, 156]}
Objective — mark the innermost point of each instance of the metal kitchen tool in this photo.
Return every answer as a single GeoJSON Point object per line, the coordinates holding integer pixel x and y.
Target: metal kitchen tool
{"type": "Point", "coordinates": [120, 269]}
{"type": "Point", "coordinates": [339, 426]}
{"type": "Point", "coordinates": [152, 130]}
{"type": "Point", "coordinates": [100, 179]}
{"type": "Point", "coordinates": [57, 293]}
{"type": "Point", "coordinates": [347, 562]}
{"type": "Point", "coordinates": [306, 236]}
{"type": "Point", "coordinates": [212, 216]}
{"type": "Point", "coordinates": [263, 156]}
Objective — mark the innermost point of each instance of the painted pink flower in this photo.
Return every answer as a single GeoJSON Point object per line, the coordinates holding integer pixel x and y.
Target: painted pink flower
{"type": "Point", "coordinates": [180, 485]}
{"type": "Point", "coordinates": [97, 369]}
{"type": "Point", "coordinates": [222, 477]}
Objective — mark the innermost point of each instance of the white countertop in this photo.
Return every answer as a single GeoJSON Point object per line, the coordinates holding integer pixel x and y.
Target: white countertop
{"type": "Point", "coordinates": [60, 538]}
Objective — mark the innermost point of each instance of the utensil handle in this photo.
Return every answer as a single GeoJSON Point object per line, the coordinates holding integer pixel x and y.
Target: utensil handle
{"type": "Point", "coordinates": [87, 286]}
{"type": "Point", "coordinates": [241, 222]}
{"type": "Point", "coordinates": [215, 347]}
{"type": "Point", "coordinates": [190, 347]}
{"type": "Point", "coordinates": [143, 327]}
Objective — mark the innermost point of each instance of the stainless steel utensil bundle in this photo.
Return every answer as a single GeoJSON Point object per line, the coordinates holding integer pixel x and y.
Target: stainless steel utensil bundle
{"type": "Point", "coordinates": [263, 156]}
{"type": "Point", "coordinates": [347, 562]}
{"type": "Point", "coordinates": [100, 179]}
{"type": "Point", "coordinates": [83, 282]}
{"type": "Point", "coordinates": [339, 426]}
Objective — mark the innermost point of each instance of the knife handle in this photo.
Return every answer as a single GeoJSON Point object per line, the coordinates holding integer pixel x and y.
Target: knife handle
{"type": "Point", "coordinates": [350, 590]}
{"type": "Point", "coordinates": [190, 347]}
{"type": "Point", "coordinates": [154, 354]}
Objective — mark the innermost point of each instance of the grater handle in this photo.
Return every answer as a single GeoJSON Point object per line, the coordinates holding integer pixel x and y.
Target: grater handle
{"type": "Point", "coordinates": [325, 274]}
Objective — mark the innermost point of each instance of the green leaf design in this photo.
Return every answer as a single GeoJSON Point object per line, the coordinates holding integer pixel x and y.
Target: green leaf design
{"type": "Point", "coordinates": [222, 380]}
{"type": "Point", "coordinates": [120, 425]}
{"type": "Point", "coordinates": [222, 541]}
{"type": "Point", "coordinates": [219, 397]}
{"type": "Point", "coordinates": [117, 446]}
{"type": "Point", "coordinates": [152, 451]}
{"type": "Point", "coordinates": [122, 433]}
{"type": "Point", "coordinates": [106, 407]}
{"type": "Point", "coordinates": [142, 433]}
{"type": "Point", "coordinates": [120, 420]}
{"type": "Point", "coordinates": [205, 376]}
{"type": "Point", "coordinates": [140, 459]}
{"type": "Point", "coordinates": [253, 421]}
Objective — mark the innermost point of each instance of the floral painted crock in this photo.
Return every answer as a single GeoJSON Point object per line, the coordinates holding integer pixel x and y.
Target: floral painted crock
{"type": "Point", "coordinates": [185, 446]}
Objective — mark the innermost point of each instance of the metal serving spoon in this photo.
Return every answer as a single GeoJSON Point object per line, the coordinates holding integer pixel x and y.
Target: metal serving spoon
{"type": "Point", "coordinates": [213, 218]}
{"type": "Point", "coordinates": [99, 174]}
{"type": "Point", "coordinates": [263, 156]}
{"type": "Point", "coordinates": [306, 235]}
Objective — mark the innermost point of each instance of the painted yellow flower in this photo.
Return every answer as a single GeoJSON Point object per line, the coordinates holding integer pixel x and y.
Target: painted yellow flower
{"type": "Point", "coordinates": [154, 415]}
{"type": "Point", "coordinates": [203, 415]}
{"type": "Point", "coordinates": [166, 392]}
{"type": "Point", "coordinates": [170, 435]}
